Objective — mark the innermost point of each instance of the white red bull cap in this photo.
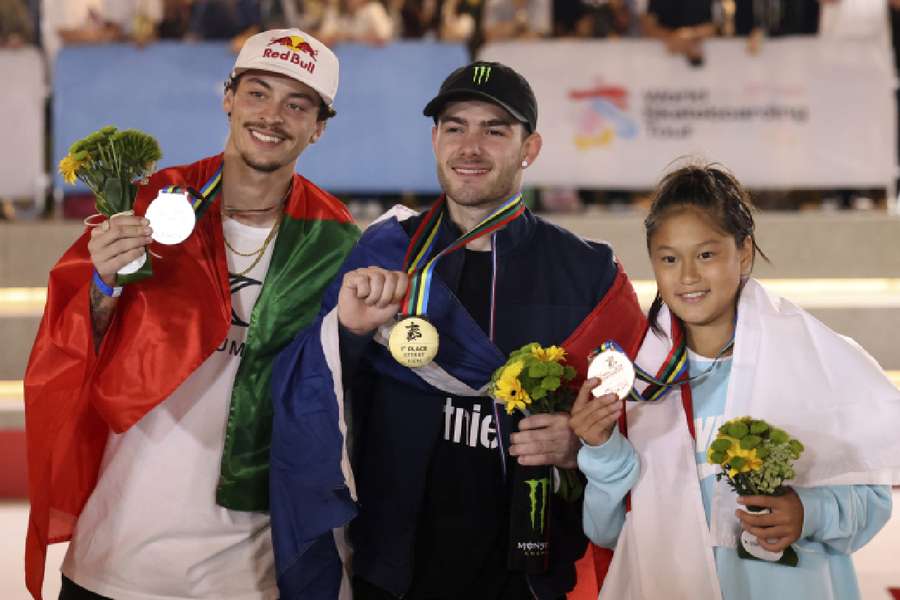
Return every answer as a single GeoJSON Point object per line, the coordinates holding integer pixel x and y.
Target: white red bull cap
{"type": "Point", "coordinates": [295, 54]}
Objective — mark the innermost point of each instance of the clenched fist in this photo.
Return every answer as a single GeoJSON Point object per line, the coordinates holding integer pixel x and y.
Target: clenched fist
{"type": "Point", "coordinates": [370, 297]}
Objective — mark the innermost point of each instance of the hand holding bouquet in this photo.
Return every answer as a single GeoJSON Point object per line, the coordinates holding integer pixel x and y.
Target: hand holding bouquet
{"type": "Point", "coordinates": [756, 460]}
{"type": "Point", "coordinates": [533, 380]}
{"type": "Point", "coordinates": [111, 163]}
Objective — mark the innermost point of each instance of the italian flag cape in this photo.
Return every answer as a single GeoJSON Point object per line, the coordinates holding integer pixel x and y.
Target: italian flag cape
{"type": "Point", "coordinates": [163, 329]}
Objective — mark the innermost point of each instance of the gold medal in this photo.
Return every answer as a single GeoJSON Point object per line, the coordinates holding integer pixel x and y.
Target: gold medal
{"type": "Point", "coordinates": [413, 342]}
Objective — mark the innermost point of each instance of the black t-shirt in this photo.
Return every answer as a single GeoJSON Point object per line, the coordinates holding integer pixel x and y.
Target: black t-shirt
{"type": "Point", "coordinates": [673, 14]}
{"type": "Point", "coordinates": [462, 534]}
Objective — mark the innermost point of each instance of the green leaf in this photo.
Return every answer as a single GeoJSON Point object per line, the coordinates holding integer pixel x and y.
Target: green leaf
{"type": "Point", "coordinates": [539, 394]}
{"type": "Point", "coordinates": [757, 427]}
{"type": "Point", "coordinates": [738, 462]}
{"type": "Point", "coordinates": [114, 196]}
{"type": "Point", "coordinates": [569, 373]}
{"type": "Point", "coordinates": [717, 458]}
{"type": "Point", "coordinates": [738, 430]}
{"type": "Point", "coordinates": [537, 369]}
{"type": "Point", "coordinates": [779, 436]}
{"type": "Point", "coordinates": [550, 383]}
{"type": "Point", "coordinates": [721, 445]}
{"type": "Point", "coordinates": [750, 442]}
{"type": "Point", "coordinates": [554, 369]}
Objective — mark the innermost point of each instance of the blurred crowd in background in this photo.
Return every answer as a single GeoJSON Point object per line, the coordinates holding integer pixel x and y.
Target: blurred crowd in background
{"type": "Point", "coordinates": [681, 25]}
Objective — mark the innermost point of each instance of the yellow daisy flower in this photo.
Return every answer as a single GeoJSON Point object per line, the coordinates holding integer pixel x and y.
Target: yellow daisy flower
{"type": "Point", "coordinates": [69, 166]}
{"type": "Point", "coordinates": [752, 461]}
{"type": "Point", "coordinates": [551, 354]}
{"type": "Point", "coordinates": [513, 370]}
{"type": "Point", "coordinates": [508, 389]}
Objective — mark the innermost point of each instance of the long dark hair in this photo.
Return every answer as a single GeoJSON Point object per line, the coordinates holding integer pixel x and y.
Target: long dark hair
{"type": "Point", "coordinates": [711, 189]}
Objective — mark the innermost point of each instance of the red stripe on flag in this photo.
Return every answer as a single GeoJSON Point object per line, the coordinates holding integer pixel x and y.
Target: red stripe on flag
{"type": "Point", "coordinates": [13, 469]}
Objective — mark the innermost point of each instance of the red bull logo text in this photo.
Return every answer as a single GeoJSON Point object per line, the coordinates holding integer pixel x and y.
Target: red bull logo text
{"type": "Point", "coordinates": [290, 49]}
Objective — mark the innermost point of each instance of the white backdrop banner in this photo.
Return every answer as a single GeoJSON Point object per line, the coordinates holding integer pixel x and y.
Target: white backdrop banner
{"type": "Point", "coordinates": [804, 112]}
{"type": "Point", "coordinates": [22, 123]}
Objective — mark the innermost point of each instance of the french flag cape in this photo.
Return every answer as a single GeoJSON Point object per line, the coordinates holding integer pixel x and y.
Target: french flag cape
{"type": "Point", "coordinates": [312, 487]}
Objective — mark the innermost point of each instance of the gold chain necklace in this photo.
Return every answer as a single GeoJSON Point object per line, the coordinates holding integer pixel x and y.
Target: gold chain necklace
{"type": "Point", "coordinates": [262, 249]}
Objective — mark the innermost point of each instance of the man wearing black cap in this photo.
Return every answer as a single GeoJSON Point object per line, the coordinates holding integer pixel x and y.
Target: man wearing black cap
{"type": "Point", "coordinates": [432, 457]}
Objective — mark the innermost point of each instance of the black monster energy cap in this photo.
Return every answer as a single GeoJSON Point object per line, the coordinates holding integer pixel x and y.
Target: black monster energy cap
{"type": "Point", "coordinates": [489, 81]}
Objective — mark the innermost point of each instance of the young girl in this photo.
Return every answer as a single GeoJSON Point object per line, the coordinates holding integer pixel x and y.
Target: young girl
{"type": "Point", "coordinates": [652, 496]}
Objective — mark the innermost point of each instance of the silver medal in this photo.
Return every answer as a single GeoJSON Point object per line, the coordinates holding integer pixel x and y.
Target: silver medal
{"type": "Point", "coordinates": [615, 372]}
{"type": "Point", "coordinates": [171, 217]}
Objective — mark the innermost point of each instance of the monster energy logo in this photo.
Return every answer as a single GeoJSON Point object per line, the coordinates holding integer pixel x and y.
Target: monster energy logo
{"type": "Point", "coordinates": [533, 486]}
{"type": "Point", "coordinates": [481, 74]}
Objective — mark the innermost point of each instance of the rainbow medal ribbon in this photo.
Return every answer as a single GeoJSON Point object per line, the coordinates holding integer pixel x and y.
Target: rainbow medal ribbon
{"type": "Point", "coordinates": [618, 373]}
{"type": "Point", "coordinates": [414, 341]}
{"type": "Point", "coordinates": [174, 212]}
{"type": "Point", "coordinates": [672, 373]}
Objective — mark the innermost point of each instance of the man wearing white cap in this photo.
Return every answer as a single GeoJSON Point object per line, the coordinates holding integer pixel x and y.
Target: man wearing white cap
{"type": "Point", "coordinates": [148, 408]}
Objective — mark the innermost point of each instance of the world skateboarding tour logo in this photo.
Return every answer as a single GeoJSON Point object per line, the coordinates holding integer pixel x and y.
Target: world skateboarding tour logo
{"type": "Point", "coordinates": [294, 47]}
{"type": "Point", "coordinates": [538, 494]}
{"type": "Point", "coordinates": [603, 116]}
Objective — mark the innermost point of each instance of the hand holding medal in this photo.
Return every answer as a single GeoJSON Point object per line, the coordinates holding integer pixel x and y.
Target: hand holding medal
{"type": "Point", "coordinates": [593, 418]}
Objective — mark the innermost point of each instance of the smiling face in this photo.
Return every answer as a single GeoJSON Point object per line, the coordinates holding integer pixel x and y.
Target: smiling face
{"type": "Point", "coordinates": [273, 119]}
{"type": "Point", "coordinates": [479, 148]}
{"type": "Point", "coordinates": [698, 269]}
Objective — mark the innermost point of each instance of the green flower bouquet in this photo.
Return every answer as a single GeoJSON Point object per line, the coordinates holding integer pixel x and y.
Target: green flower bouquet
{"type": "Point", "coordinates": [756, 460]}
{"type": "Point", "coordinates": [534, 380]}
{"type": "Point", "coordinates": [112, 163]}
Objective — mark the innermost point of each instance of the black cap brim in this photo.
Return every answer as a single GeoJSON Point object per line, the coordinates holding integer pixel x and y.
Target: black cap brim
{"type": "Point", "coordinates": [434, 108]}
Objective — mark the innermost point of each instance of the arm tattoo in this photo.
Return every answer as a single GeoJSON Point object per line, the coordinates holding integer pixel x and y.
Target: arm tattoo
{"type": "Point", "coordinates": [102, 309]}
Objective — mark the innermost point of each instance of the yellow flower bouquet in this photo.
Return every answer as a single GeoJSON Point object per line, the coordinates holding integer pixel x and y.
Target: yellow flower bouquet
{"type": "Point", "coordinates": [756, 460]}
{"type": "Point", "coordinates": [111, 163]}
{"type": "Point", "coordinates": [534, 380]}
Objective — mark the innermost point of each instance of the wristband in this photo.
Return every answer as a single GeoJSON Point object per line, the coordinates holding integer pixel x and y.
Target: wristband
{"type": "Point", "coordinates": [109, 292]}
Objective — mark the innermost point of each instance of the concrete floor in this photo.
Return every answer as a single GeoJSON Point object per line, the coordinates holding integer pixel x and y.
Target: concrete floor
{"type": "Point", "coordinates": [877, 564]}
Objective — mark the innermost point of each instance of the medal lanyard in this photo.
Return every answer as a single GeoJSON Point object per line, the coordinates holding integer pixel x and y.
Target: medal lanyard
{"type": "Point", "coordinates": [201, 200]}
{"type": "Point", "coordinates": [674, 371]}
{"type": "Point", "coordinates": [420, 267]}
